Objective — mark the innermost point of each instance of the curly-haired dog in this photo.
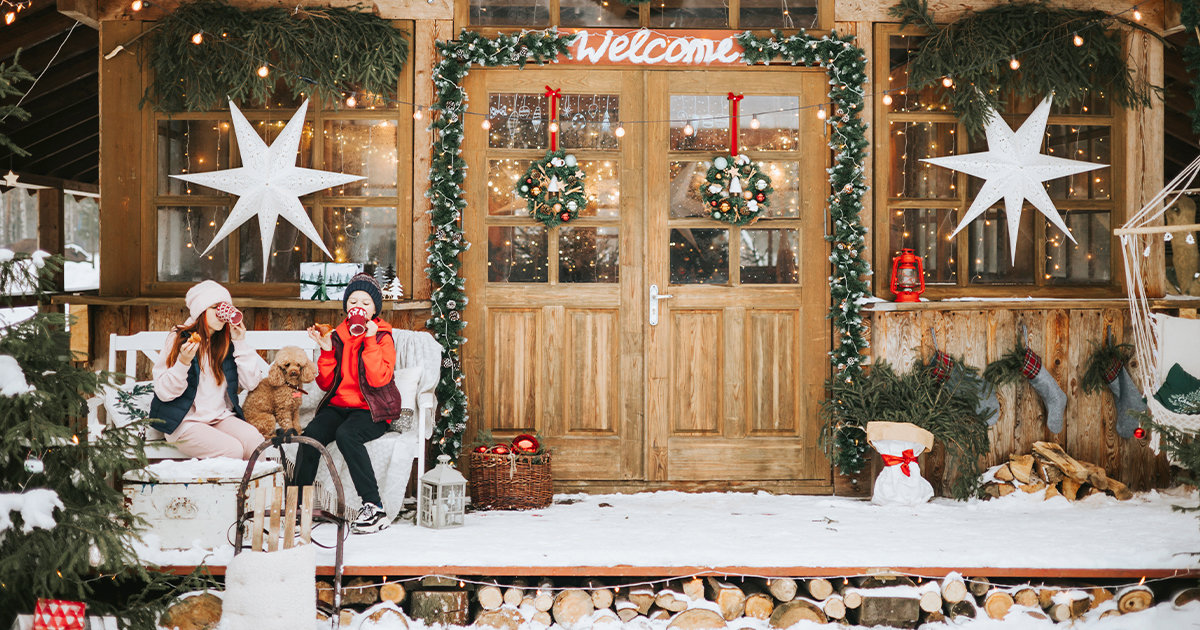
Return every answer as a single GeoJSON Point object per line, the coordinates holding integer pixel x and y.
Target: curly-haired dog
{"type": "Point", "coordinates": [276, 400]}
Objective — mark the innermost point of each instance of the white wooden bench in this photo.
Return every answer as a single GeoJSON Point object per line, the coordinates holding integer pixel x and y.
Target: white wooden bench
{"type": "Point", "coordinates": [391, 455]}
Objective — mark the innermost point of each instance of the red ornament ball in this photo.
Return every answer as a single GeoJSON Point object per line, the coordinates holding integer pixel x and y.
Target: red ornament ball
{"type": "Point", "coordinates": [759, 197]}
{"type": "Point", "coordinates": [500, 449]}
{"type": "Point", "coordinates": [481, 449]}
{"type": "Point", "coordinates": [714, 203]}
{"type": "Point", "coordinates": [525, 443]}
{"type": "Point", "coordinates": [566, 216]}
{"type": "Point", "coordinates": [1139, 433]}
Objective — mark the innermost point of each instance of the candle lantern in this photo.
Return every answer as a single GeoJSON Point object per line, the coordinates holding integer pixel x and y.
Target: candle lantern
{"type": "Point", "coordinates": [443, 496]}
{"type": "Point", "coordinates": [908, 276]}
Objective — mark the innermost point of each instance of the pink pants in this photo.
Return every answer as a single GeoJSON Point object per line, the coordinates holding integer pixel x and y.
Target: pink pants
{"type": "Point", "coordinates": [231, 437]}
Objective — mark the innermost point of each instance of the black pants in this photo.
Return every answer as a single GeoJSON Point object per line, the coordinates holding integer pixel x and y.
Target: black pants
{"type": "Point", "coordinates": [351, 429]}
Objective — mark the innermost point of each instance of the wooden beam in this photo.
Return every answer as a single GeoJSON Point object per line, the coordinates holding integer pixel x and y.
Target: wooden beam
{"type": "Point", "coordinates": [88, 155]}
{"type": "Point", "coordinates": [85, 11]}
{"type": "Point", "coordinates": [82, 42]}
{"type": "Point", "coordinates": [34, 30]}
{"type": "Point", "coordinates": [62, 76]}
{"type": "Point", "coordinates": [51, 236]}
{"type": "Point", "coordinates": [57, 150]}
{"type": "Point", "coordinates": [414, 9]}
{"type": "Point", "coordinates": [49, 125]}
{"type": "Point", "coordinates": [120, 179]}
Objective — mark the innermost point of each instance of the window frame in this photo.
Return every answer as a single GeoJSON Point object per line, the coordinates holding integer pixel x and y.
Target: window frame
{"type": "Point", "coordinates": [319, 112]}
{"type": "Point", "coordinates": [884, 204]}
{"type": "Point", "coordinates": [462, 18]}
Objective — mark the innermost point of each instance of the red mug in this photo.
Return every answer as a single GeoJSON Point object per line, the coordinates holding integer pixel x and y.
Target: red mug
{"type": "Point", "coordinates": [229, 314]}
{"type": "Point", "coordinates": [357, 320]}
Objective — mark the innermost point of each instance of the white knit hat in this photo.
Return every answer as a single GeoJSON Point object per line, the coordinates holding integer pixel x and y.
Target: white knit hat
{"type": "Point", "coordinates": [204, 295]}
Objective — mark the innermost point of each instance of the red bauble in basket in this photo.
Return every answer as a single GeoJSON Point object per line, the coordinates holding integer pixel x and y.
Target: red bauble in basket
{"type": "Point", "coordinates": [500, 449]}
{"type": "Point", "coordinates": [481, 449]}
{"type": "Point", "coordinates": [525, 444]}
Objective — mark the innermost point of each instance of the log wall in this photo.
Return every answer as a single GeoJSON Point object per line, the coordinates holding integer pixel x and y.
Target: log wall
{"type": "Point", "coordinates": [1065, 339]}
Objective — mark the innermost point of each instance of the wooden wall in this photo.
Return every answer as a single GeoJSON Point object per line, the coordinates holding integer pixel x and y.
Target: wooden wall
{"type": "Point", "coordinates": [1065, 339]}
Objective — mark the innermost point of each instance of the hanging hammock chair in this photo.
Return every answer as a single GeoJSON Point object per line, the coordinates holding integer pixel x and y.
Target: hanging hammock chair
{"type": "Point", "coordinates": [1160, 340]}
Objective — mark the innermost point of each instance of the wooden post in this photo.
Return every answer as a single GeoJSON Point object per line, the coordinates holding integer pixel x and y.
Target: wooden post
{"type": "Point", "coordinates": [121, 140]}
{"type": "Point", "coordinates": [51, 236]}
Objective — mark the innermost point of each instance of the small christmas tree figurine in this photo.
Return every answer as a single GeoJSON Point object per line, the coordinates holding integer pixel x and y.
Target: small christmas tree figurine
{"type": "Point", "coordinates": [393, 290]}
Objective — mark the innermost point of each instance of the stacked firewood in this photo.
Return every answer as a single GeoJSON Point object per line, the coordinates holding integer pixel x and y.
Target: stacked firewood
{"type": "Point", "coordinates": [699, 603]}
{"type": "Point", "coordinates": [1049, 472]}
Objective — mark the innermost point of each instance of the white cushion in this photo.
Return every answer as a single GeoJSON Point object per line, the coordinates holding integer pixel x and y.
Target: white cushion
{"type": "Point", "coordinates": [1179, 342]}
{"type": "Point", "coordinates": [117, 414]}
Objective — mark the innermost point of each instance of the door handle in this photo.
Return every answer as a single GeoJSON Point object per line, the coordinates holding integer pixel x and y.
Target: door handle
{"type": "Point", "coordinates": [654, 298]}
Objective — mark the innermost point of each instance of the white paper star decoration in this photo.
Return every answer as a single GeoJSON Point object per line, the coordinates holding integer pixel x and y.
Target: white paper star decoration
{"type": "Point", "coordinates": [269, 184]}
{"type": "Point", "coordinates": [10, 179]}
{"type": "Point", "coordinates": [1014, 170]}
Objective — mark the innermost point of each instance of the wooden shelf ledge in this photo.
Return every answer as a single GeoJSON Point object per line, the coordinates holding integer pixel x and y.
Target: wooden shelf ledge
{"type": "Point", "coordinates": [275, 303]}
{"type": "Point", "coordinates": [1017, 304]}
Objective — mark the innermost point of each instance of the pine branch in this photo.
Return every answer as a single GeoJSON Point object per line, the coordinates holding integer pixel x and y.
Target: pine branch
{"type": "Point", "coordinates": [1103, 357]}
{"type": "Point", "coordinates": [10, 75]}
{"type": "Point", "coordinates": [1006, 369]}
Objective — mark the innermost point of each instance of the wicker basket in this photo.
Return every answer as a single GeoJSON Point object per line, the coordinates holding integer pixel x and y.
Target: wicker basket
{"type": "Point", "coordinates": [510, 482]}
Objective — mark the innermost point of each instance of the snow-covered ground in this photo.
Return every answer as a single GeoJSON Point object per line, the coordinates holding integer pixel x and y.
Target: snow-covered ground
{"type": "Point", "coordinates": [675, 529]}
{"type": "Point", "coordinates": [81, 276]}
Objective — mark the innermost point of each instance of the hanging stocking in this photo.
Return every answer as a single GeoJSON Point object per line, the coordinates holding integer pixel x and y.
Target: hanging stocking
{"type": "Point", "coordinates": [955, 376]}
{"type": "Point", "coordinates": [1128, 399]}
{"type": "Point", "coordinates": [1052, 395]}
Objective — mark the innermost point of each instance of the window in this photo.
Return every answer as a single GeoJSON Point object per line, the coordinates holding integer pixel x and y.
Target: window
{"type": "Point", "coordinates": [918, 205]}
{"type": "Point", "coordinates": [357, 221]}
{"type": "Point", "coordinates": [685, 14]}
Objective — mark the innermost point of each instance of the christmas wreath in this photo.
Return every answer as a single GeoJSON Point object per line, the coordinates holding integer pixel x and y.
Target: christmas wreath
{"type": "Point", "coordinates": [736, 189]}
{"type": "Point", "coordinates": [553, 186]}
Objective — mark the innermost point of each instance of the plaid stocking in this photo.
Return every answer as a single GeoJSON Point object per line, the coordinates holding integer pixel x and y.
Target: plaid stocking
{"type": "Point", "coordinates": [1052, 395]}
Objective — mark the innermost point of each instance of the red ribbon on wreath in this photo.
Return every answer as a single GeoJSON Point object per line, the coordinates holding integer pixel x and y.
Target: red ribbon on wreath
{"type": "Point", "coordinates": [553, 95]}
{"type": "Point", "coordinates": [904, 459]}
{"type": "Point", "coordinates": [733, 126]}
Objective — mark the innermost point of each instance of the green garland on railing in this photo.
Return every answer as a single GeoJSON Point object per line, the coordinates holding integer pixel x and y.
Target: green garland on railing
{"type": "Point", "coordinates": [976, 52]}
{"type": "Point", "coordinates": [843, 436]}
{"type": "Point", "coordinates": [330, 49]}
{"type": "Point", "coordinates": [445, 193]}
{"type": "Point", "coordinates": [1190, 17]}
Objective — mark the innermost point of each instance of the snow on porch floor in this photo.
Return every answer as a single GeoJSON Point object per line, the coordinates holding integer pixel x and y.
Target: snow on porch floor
{"type": "Point", "coordinates": [675, 529]}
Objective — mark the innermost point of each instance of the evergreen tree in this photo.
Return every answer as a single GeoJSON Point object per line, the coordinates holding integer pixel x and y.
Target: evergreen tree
{"type": "Point", "coordinates": [88, 555]}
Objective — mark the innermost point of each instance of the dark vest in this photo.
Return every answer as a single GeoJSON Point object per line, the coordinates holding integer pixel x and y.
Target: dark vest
{"type": "Point", "coordinates": [384, 402]}
{"type": "Point", "coordinates": [167, 415]}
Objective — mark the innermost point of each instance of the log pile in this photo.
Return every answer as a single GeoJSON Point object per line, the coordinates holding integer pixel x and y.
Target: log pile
{"type": "Point", "coordinates": [1049, 472]}
{"type": "Point", "coordinates": [702, 603]}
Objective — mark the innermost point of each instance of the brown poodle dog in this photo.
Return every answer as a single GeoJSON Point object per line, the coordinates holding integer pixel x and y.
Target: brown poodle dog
{"type": "Point", "coordinates": [276, 400]}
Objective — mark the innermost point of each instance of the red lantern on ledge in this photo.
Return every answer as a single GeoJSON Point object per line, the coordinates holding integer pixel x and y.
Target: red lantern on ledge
{"type": "Point", "coordinates": [908, 276]}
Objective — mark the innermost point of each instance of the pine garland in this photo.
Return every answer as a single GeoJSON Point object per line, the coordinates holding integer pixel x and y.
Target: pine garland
{"type": "Point", "coordinates": [917, 397]}
{"type": "Point", "coordinates": [976, 51]}
{"type": "Point", "coordinates": [446, 199]}
{"type": "Point", "coordinates": [328, 49]}
{"type": "Point", "coordinates": [10, 75]}
{"type": "Point", "coordinates": [845, 439]}
{"type": "Point", "coordinates": [1190, 17]}
{"type": "Point", "coordinates": [1182, 449]}
{"type": "Point", "coordinates": [1101, 362]}
{"type": "Point", "coordinates": [1007, 369]}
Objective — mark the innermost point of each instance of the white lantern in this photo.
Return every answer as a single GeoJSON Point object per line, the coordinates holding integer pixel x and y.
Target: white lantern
{"type": "Point", "coordinates": [443, 496]}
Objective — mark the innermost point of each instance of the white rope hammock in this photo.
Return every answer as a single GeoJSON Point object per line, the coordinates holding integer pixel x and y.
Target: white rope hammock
{"type": "Point", "coordinates": [1149, 329]}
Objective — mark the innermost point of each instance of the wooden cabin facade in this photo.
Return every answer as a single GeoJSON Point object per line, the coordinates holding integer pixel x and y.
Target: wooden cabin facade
{"type": "Point", "coordinates": [724, 391]}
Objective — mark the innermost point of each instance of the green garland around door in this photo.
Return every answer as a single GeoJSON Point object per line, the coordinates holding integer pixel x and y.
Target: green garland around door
{"type": "Point", "coordinates": [844, 439]}
{"type": "Point", "coordinates": [445, 193]}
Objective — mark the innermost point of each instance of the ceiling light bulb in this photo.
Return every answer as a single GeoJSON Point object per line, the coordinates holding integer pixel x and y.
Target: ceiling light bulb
{"type": "Point", "coordinates": [620, 131]}
{"type": "Point", "coordinates": [947, 82]}
{"type": "Point", "coordinates": [263, 71]}
{"type": "Point", "coordinates": [351, 101]}
{"type": "Point", "coordinates": [417, 114]}
{"type": "Point", "coordinates": [136, 5]}
{"type": "Point", "coordinates": [1137, 15]}
{"type": "Point", "coordinates": [198, 38]}
{"type": "Point", "coordinates": [1078, 40]}
{"type": "Point", "coordinates": [887, 99]}
{"type": "Point", "coordinates": [9, 17]}
{"type": "Point", "coordinates": [821, 113]}
{"type": "Point", "coordinates": [754, 122]}
{"type": "Point", "coordinates": [1014, 64]}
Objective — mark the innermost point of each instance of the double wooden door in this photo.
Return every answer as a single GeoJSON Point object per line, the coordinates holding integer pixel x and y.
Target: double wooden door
{"type": "Point", "coordinates": [716, 381]}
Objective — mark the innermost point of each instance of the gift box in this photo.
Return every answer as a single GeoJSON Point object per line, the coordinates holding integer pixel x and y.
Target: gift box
{"type": "Point", "coordinates": [59, 614]}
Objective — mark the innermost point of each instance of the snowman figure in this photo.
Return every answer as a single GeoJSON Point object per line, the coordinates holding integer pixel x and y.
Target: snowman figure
{"type": "Point", "coordinates": [900, 444]}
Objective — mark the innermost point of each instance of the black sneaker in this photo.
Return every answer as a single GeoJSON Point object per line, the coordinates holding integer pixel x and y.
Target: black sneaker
{"type": "Point", "coordinates": [371, 518]}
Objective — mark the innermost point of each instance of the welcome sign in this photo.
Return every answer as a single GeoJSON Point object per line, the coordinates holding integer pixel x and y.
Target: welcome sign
{"type": "Point", "coordinates": [645, 47]}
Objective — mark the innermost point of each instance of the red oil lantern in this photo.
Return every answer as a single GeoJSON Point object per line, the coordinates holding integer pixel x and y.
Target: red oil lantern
{"type": "Point", "coordinates": [908, 276]}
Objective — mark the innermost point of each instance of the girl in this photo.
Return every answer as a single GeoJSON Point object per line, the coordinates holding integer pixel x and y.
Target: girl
{"type": "Point", "coordinates": [356, 370]}
{"type": "Point", "coordinates": [197, 376]}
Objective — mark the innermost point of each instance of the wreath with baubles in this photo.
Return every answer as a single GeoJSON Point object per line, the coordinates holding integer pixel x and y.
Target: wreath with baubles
{"type": "Point", "coordinates": [553, 186]}
{"type": "Point", "coordinates": [736, 190]}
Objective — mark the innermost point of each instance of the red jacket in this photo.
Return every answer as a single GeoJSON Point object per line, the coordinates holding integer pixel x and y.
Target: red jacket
{"type": "Point", "coordinates": [376, 361]}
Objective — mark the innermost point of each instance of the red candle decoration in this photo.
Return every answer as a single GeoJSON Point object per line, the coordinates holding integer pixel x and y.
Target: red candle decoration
{"type": "Point", "coordinates": [525, 444]}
